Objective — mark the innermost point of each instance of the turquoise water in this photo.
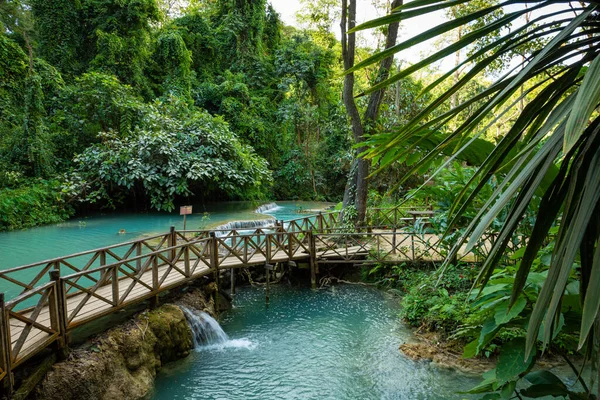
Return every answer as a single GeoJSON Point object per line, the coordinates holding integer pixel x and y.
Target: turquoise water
{"type": "Point", "coordinates": [340, 343]}
{"type": "Point", "coordinates": [81, 234]}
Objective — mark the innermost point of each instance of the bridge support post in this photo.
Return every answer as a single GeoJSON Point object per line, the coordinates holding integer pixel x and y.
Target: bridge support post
{"type": "Point", "coordinates": [214, 263]}
{"type": "Point", "coordinates": [268, 268]}
{"type": "Point", "coordinates": [313, 259]}
{"type": "Point", "coordinates": [58, 315]}
{"type": "Point", "coordinates": [6, 349]}
{"type": "Point", "coordinates": [394, 241]}
{"type": "Point", "coordinates": [232, 270]}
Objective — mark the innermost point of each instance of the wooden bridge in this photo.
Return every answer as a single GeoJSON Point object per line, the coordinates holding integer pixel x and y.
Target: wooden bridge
{"type": "Point", "coordinates": [60, 294]}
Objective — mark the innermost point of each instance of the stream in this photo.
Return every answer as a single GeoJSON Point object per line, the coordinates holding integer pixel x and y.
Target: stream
{"type": "Point", "coordinates": [338, 343]}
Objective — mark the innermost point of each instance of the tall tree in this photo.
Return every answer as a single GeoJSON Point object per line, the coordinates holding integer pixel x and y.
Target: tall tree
{"type": "Point", "coordinates": [357, 186]}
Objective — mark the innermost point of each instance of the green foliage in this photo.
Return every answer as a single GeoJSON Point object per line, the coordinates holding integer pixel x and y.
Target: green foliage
{"type": "Point", "coordinates": [94, 103]}
{"type": "Point", "coordinates": [32, 204]}
{"type": "Point", "coordinates": [440, 308]}
{"type": "Point", "coordinates": [82, 83]}
{"type": "Point", "coordinates": [556, 127]}
{"type": "Point", "coordinates": [122, 34]}
{"type": "Point", "coordinates": [174, 59]}
{"type": "Point", "coordinates": [58, 28]}
{"type": "Point", "coordinates": [175, 152]}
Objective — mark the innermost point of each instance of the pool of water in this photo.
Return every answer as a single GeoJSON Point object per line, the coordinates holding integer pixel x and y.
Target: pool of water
{"type": "Point", "coordinates": [340, 343]}
{"type": "Point", "coordinates": [80, 234]}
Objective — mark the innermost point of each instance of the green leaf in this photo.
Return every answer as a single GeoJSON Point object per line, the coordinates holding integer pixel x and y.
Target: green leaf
{"type": "Point", "coordinates": [544, 377]}
{"type": "Point", "coordinates": [486, 385]}
{"type": "Point", "coordinates": [512, 362]}
{"type": "Point", "coordinates": [505, 313]}
{"type": "Point", "coordinates": [588, 97]}
{"type": "Point", "coordinates": [591, 305]}
{"type": "Point", "coordinates": [508, 390]}
{"type": "Point", "coordinates": [543, 390]}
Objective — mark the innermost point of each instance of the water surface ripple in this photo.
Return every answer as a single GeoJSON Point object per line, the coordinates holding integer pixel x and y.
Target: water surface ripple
{"type": "Point", "coordinates": [340, 343]}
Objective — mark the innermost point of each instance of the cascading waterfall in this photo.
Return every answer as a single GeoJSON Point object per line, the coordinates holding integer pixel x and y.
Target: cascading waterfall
{"type": "Point", "coordinates": [223, 230]}
{"type": "Point", "coordinates": [266, 207]}
{"type": "Point", "coordinates": [206, 329]}
{"type": "Point", "coordinates": [209, 334]}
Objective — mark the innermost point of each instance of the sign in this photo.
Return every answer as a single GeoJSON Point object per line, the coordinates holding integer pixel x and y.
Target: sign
{"type": "Point", "coordinates": [185, 210]}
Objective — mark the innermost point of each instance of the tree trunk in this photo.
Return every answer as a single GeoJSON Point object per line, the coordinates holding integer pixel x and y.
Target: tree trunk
{"type": "Point", "coordinates": [368, 122]}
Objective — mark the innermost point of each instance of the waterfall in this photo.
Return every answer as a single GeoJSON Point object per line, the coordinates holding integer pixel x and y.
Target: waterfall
{"type": "Point", "coordinates": [266, 207]}
{"type": "Point", "coordinates": [208, 334]}
{"type": "Point", "coordinates": [206, 329]}
{"type": "Point", "coordinates": [244, 225]}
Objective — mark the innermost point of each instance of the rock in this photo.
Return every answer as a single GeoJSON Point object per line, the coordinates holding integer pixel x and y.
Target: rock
{"type": "Point", "coordinates": [122, 363]}
{"type": "Point", "coordinates": [446, 359]}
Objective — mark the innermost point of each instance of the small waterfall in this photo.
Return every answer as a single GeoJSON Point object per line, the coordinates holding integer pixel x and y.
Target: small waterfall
{"type": "Point", "coordinates": [208, 334]}
{"type": "Point", "coordinates": [266, 207]}
{"type": "Point", "coordinates": [206, 330]}
{"type": "Point", "coordinates": [259, 223]}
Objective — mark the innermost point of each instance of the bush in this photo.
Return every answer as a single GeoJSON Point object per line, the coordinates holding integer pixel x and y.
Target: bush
{"type": "Point", "coordinates": [38, 203]}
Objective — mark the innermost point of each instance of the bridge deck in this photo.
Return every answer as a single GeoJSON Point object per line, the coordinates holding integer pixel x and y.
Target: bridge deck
{"type": "Point", "coordinates": [96, 306]}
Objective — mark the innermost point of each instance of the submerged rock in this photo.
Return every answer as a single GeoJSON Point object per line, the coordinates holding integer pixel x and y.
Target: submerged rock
{"type": "Point", "coordinates": [122, 362]}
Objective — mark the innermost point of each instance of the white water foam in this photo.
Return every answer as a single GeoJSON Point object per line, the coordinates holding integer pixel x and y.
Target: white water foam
{"type": "Point", "coordinates": [265, 208]}
{"type": "Point", "coordinates": [208, 334]}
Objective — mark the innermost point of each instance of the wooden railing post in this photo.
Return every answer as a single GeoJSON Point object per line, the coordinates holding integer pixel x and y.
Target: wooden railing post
{"type": "Point", "coordinates": [186, 255]}
{"type": "Point", "coordinates": [114, 277]}
{"type": "Point", "coordinates": [6, 347]}
{"type": "Point", "coordinates": [173, 243]}
{"type": "Point", "coordinates": [155, 282]}
{"type": "Point", "coordinates": [320, 222]}
{"type": "Point", "coordinates": [58, 313]}
{"type": "Point", "coordinates": [394, 241]}
{"type": "Point", "coordinates": [214, 263]}
{"type": "Point", "coordinates": [313, 259]}
{"type": "Point", "coordinates": [138, 252]}
{"type": "Point", "coordinates": [268, 249]}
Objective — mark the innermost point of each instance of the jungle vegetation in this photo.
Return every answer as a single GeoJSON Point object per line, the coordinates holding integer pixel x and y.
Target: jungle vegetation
{"type": "Point", "coordinates": [145, 103]}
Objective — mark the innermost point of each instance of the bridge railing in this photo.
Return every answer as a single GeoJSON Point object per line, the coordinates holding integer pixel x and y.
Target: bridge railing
{"type": "Point", "coordinates": [123, 282]}
{"type": "Point", "coordinates": [389, 217]}
{"type": "Point", "coordinates": [377, 247]}
{"type": "Point", "coordinates": [27, 329]}
{"type": "Point", "coordinates": [19, 279]}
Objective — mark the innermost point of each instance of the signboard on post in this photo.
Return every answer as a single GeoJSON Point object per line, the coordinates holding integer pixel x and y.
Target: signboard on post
{"type": "Point", "coordinates": [185, 210]}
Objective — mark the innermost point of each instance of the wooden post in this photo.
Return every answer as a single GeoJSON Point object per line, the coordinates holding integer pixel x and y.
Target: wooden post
{"type": "Point", "coordinates": [186, 255]}
{"type": "Point", "coordinates": [412, 240]}
{"type": "Point", "coordinates": [214, 263]}
{"type": "Point", "coordinates": [268, 256]}
{"type": "Point", "coordinates": [394, 241]}
{"type": "Point", "coordinates": [155, 281]}
{"type": "Point", "coordinates": [268, 273]}
{"type": "Point", "coordinates": [6, 347]}
{"type": "Point", "coordinates": [313, 259]}
{"type": "Point", "coordinates": [232, 270]}
{"type": "Point", "coordinates": [320, 222]}
{"type": "Point", "coordinates": [138, 252]}
{"type": "Point", "coordinates": [115, 284]}
{"type": "Point", "coordinates": [173, 243]}
{"type": "Point", "coordinates": [58, 314]}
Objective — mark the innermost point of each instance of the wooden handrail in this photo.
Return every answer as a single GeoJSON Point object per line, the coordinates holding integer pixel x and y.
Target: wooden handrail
{"type": "Point", "coordinates": [121, 282]}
